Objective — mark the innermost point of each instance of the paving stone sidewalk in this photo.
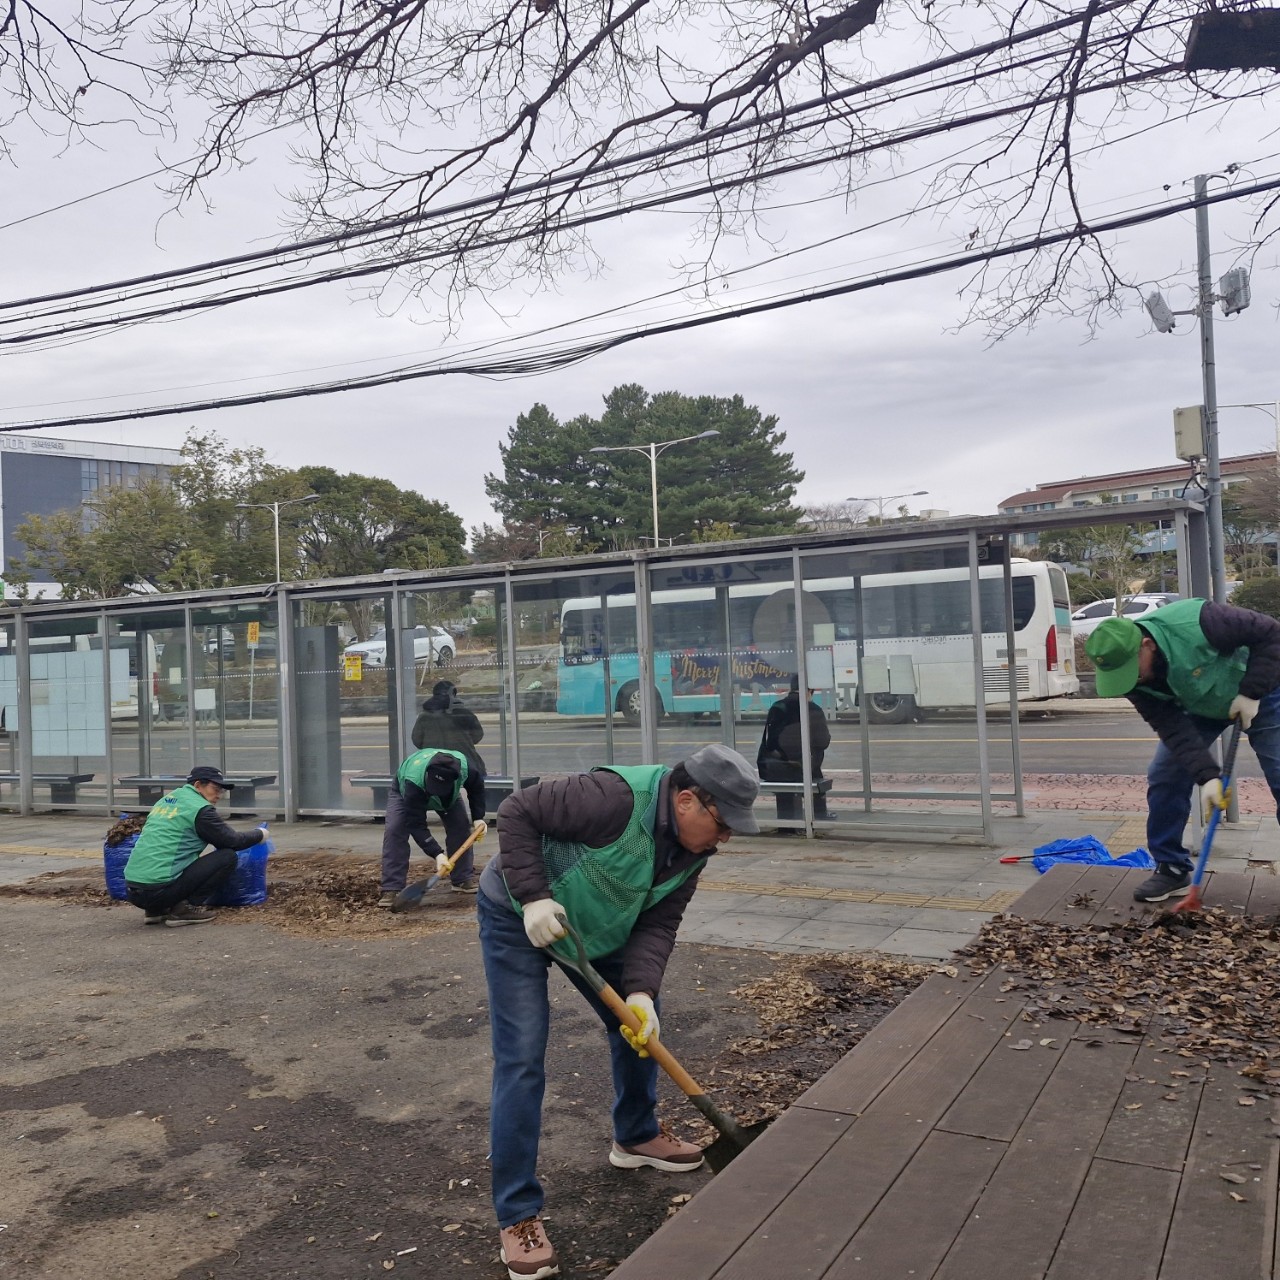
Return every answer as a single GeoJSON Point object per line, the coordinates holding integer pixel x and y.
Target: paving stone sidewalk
{"type": "Point", "coordinates": [911, 898]}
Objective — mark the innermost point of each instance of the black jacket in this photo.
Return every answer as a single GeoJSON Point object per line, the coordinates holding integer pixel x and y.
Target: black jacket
{"type": "Point", "coordinates": [212, 830]}
{"type": "Point", "coordinates": [446, 723]}
{"type": "Point", "coordinates": [782, 741]}
{"type": "Point", "coordinates": [1227, 628]}
{"type": "Point", "coordinates": [594, 808]}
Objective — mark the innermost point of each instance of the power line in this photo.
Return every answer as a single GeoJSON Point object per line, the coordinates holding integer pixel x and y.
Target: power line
{"type": "Point", "coordinates": [660, 199]}
{"type": "Point", "coordinates": [563, 358]}
{"type": "Point", "coordinates": [700, 143]}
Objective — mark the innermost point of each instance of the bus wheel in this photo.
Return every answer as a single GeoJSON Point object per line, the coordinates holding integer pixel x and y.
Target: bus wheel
{"type": "Point", "coordinates": [889, 708]}
{"type": "Point", "coordinates": [629, 702]}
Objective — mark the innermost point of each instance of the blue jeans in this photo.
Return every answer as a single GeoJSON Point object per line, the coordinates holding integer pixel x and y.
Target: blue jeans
{"type": "Point", "coordinates": [1169, 787]}
{"type": "Point", "coordinates": [519, 1016]}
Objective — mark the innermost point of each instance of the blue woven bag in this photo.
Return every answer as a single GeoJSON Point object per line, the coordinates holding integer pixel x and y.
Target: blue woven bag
{"type": "Point", "coordinates": [247, 886]}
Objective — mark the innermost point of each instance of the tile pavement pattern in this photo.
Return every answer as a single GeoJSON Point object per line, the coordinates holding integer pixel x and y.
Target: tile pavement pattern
{"type": "Point", "coordinates": [932, 1151]}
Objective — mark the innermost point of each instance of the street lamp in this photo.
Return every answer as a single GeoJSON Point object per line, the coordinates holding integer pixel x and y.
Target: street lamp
{"type": "Point", "coordinates": [888, 497]}
{"type": "Point", "coordinates": [274, 508]}
{"type": "Point", "coordinates": [1267, 406]}
{"type": "Point", "coordinates": [652, 450]}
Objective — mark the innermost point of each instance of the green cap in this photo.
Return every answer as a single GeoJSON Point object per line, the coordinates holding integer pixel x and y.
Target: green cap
{"type": "Point", "coordinates": [1113, 648]}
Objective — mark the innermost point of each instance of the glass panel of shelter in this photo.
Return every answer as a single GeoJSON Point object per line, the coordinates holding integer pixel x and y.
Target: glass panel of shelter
{"type": "Point", "coordinates": [891, 650]}
{"type": "Point", "coordinates": [724, 650]}
{"type": "Point", "coordinates": [346, 717]}
{"type": "Point", "coordinates": [235, 687]}
{"type": "Point", "coordinates": [452, 657]}
{"type": "Point", "coordinates": [576, 666]}
{"type": "Point", "coordinates": [70, 719]}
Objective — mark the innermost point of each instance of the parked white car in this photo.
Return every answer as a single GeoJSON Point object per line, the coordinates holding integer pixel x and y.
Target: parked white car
{"type": "Point", "coordinates": [430, 644]}
{"type": "Point", "coordinates": [1086, 619]}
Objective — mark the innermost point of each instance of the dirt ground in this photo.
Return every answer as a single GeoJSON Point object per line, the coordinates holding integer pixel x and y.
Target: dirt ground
{"type": "Point", "coordinates": [301, 1088]}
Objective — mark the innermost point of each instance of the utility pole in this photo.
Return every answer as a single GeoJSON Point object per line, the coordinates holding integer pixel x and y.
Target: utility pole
{"type": "Point", "coordinates": [1233, 294]}
{"type": "Point", "coordinates": [1209, 378]}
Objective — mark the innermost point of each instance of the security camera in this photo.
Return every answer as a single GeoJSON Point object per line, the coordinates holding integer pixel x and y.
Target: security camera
{"type": "Point", "coordinates": [1158, 310]}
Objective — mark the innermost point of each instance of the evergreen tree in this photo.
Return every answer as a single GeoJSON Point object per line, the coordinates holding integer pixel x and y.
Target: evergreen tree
{"type": "Point", "coordinates": [741, 478]}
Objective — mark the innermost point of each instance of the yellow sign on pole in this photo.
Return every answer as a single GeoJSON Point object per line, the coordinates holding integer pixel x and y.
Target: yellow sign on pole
{"type": "Point", "coordinates": [352, 667]}
{"type": "Point", "coordinates": [253, 634]}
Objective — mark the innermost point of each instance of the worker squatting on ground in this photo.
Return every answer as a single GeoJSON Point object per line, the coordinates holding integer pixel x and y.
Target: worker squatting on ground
{"type": "Point", "coordinates": [430, 781]}
{"type": "Point", "coordinates": [1190, 669]}
{"type": "Point", "coordinates": [166, 875]}
{"type": "Point", "coordinates": [617, 852]}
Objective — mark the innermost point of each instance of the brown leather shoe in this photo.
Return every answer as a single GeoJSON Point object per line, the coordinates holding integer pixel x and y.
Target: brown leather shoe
{"type": "Point", "coordinates": [665, 1152]}
{"type": "Point", "coordinates": [527, 1251]}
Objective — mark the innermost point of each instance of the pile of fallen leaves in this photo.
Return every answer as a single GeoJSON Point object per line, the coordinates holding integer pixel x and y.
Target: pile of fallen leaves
{"type": "Point", "coordinates": [1207, 983]}
{"type": "Point", "coordinates": [129, 824]}
{"type": "Point", "coordinates": [814, 1009]}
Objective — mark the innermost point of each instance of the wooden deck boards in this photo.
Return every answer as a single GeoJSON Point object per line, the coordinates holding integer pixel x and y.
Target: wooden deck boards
{"type": "Point", "coordinates": [940, 1150]}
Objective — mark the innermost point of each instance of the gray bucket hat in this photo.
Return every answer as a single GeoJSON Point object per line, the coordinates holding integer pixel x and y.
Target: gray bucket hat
{"type": "Point", "coordinates": [731, 782]}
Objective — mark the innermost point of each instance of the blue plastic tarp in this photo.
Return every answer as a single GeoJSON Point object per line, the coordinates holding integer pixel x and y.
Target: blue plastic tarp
{"type": "Point", "coordinates": [1086, 849]}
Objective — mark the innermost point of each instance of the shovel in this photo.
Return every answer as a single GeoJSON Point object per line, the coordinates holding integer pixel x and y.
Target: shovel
{"type": "Point", "coordinates": [734, 1138]}
{"type": "Point", "coordinates": [1195, 896]}
{"type": "Point", "coordinates": [413, 894]}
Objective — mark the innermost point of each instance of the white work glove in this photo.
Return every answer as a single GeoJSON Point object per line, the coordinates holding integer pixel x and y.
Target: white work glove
{"type": "Point", "coordinates": [642, 1006]}
{"type": "Point", "coordinates": [1212, 797]}
{"type": "Point", "coordinates": [1243, 709]}
{"type": "Point", "coordinates": [542, 922]}
{"type": "Point", "coordinates": [479, 828]}
{"type": "Point", "coordinates": [442, 864]}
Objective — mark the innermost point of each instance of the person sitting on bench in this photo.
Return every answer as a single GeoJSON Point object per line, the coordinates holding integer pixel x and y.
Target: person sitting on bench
{"type": "Point", "coordinates": [780, 756]}
{"type": "Point", "coordinates": [166, 874]}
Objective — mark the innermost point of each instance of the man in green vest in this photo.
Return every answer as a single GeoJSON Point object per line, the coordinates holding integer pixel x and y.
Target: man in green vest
{"type": "Point", "coordinates": [1190, 669]}
{"type": "Point", "coordinates": [617, 852]}
{"type": "Point", "coordinates": [432, 780]}
{"type": "Point", "coordinates": [166, 875]}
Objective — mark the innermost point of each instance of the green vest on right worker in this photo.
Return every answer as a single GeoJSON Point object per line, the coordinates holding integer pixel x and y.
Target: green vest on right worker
{"type": "Point", "coordinates": [1203, 681]}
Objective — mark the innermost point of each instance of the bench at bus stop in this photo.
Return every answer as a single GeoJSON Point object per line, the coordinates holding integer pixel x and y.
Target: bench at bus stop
{"type": "Point", "coordinates": [496, 788]}
{"type": "Point", "coordinates": [62, 786]}
{"type": "Point", "coordinates": [243, 798]}
{"type": "Point", "coordinates": [820, 788]}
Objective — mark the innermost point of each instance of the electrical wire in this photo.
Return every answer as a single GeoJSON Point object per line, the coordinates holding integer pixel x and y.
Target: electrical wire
{"type": "Point", "coordinates": [564, 357]}
{"type": "Point", "coordinates": [700, 143]}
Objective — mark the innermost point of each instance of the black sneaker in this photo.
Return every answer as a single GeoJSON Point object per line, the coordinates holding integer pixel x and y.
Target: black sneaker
{"type": "Point", "coordinates": [1166, 883]}
{"type": "Point", "coordinates": [189, 913]}
{"type": "Point", "coordinates": [155, 917]}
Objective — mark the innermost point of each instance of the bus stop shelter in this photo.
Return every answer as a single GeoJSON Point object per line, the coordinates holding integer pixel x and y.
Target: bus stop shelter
{"type": "Point", "coordinates": [628, 657]}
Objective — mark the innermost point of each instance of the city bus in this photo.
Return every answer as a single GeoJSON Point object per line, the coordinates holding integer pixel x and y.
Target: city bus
{"type": "Point", "coordinates": [917, 646]}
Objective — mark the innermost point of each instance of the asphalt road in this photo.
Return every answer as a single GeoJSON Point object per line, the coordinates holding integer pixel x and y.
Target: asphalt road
{"type": "Point", "coordinates": [1072, 743]}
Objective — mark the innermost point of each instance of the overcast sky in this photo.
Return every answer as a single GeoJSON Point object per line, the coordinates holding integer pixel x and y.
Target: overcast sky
{"type": "Point", "coordinates": [878, 393]}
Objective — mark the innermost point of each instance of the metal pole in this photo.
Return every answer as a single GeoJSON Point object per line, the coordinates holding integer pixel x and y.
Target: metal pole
{"type": "Point", "coordinates": [275, 516]}
{"type": "Point", "coordinates": [979, 680]}
{"type": "Point", "coordinates": [1217, 552]}
{"type": "Point", "coordinates": [653, 488]}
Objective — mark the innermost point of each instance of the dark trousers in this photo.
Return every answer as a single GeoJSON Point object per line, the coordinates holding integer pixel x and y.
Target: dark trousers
{"type": "Point", "coordinates": [198, 883]}
{"type": "Point", "coordinates": [792, 806]}
{"type": "Point", "coordinates": [405, 823]}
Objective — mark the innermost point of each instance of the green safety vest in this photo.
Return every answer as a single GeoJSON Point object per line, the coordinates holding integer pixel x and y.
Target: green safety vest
{"type": "Point", "coordinates": [604, 890]}
{"type": "Point", "coordinates": [1203, 681]}
{"type": "Point", "coordinates": [414, 769]}
{"type": "Point", "coordinates": [167, 844]}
